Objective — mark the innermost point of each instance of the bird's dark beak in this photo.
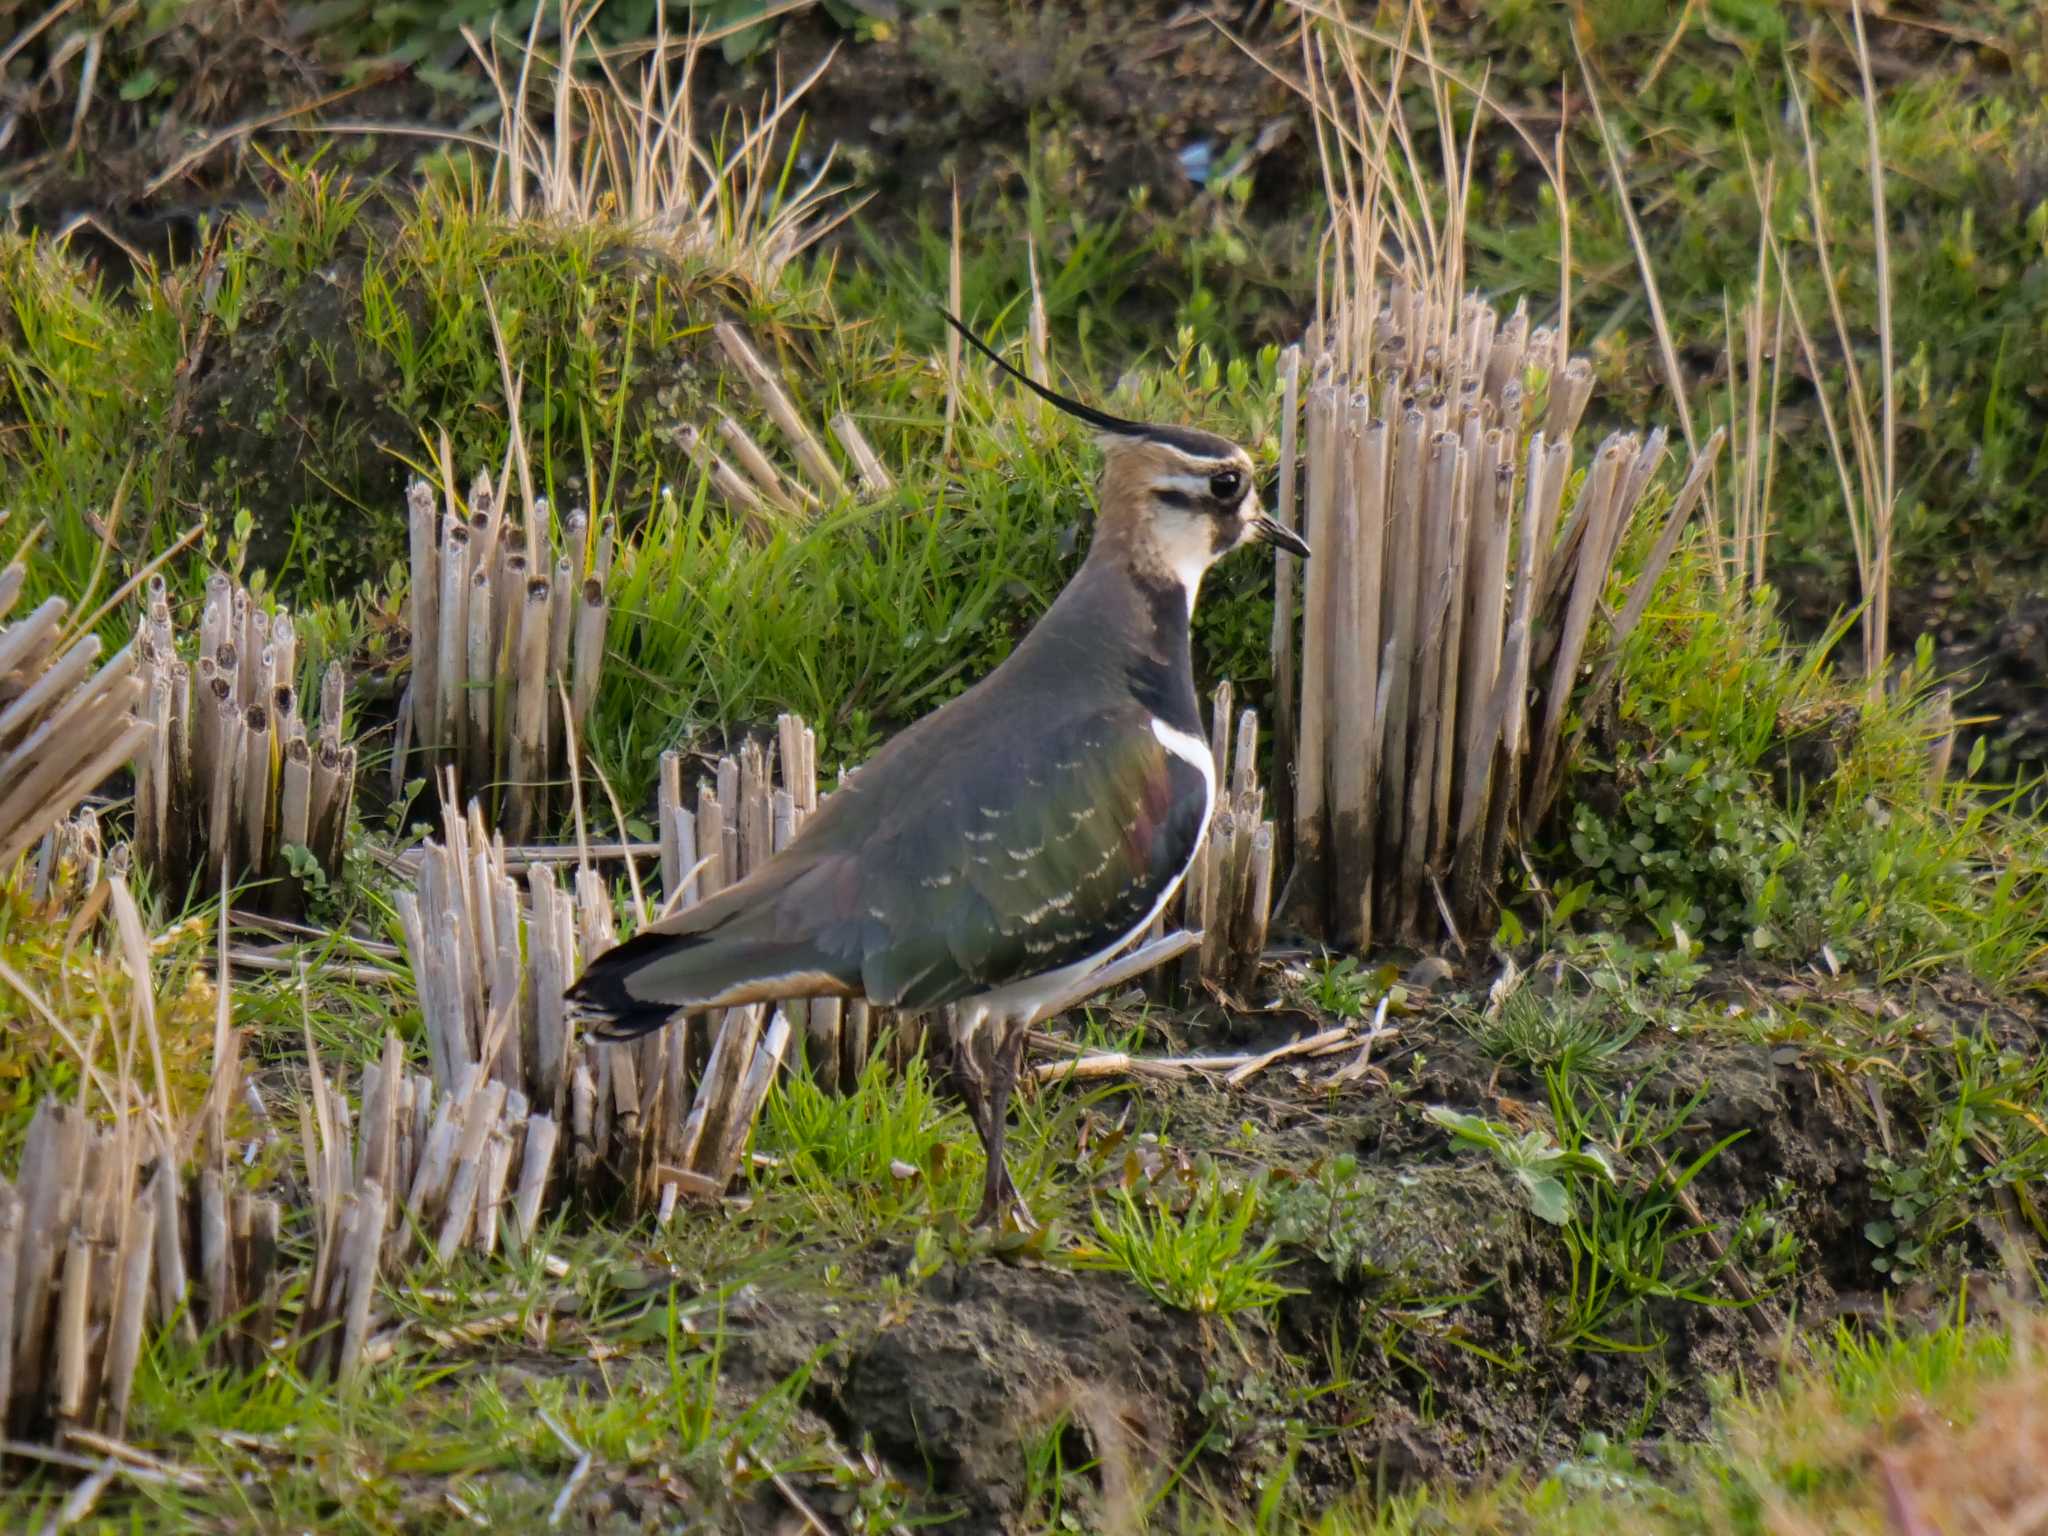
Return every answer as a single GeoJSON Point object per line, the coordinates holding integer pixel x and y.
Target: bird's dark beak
{"type": "Point", "coordinates": [1266, 529]}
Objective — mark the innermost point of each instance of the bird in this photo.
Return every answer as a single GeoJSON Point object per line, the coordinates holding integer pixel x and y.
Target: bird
{"type": "Point", "coordinates": [1014, 840]}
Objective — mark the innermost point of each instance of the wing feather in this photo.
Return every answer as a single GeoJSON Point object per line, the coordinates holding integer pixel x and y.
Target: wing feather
{"type": "Point", "coordinates": [936, 881]}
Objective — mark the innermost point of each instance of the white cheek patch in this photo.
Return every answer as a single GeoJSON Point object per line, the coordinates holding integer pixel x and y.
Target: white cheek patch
{"type": "Point", "coordinates": [1187, 546]}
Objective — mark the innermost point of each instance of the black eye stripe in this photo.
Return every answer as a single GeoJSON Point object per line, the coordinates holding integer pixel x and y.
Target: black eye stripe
{"type": "Point", "coordinates": [1180, 501]}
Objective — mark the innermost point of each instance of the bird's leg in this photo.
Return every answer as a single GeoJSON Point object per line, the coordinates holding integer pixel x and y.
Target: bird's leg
{"type": "Point", "coordinates": [1000, 1191]}
{"type": "Point", "coordinates": [1009, 1064]}
{"type": "Point", "coordinates": [993, 1122]}
{"type": "Point", "coordinates": [971, 1081]}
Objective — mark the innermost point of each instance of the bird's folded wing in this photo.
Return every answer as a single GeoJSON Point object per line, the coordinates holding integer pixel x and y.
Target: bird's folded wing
{"type": "Point", "coordinates": [1033, 868]}
{"type": "Point", "coordinates": [919, 886]}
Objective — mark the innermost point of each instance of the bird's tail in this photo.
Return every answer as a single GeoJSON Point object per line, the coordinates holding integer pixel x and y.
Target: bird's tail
{"type": "Point", "coordinates": [757, 941]}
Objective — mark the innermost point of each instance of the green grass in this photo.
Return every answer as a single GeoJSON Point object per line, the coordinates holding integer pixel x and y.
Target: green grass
{"type": "Point", "coordinates": [85, 390]}
{"type": "Point", "coordinates": [1638, 1240]}
{"type": "Point", "coordinates": [1566, 1033]}
{"type": "Point", "coordinates": [493, 1393]}
{"type": "Point", "coordinates": [1743, 797]}
{"type": "Point", "coordinates": [884, 1154]}
{"type": "Point", "coordinates": [1199, 1257]}
{"type": "Point", "coordinates": [1742, 817]}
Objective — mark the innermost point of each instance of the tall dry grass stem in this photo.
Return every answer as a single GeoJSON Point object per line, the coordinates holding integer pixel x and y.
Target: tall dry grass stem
{"type": "Point", "coordinates": [1456, 592]}
{"type": "Point", "coordinates": [236, 782]}
{"type": "Point", "coordinates": [589, 134]}
{"type": "Point", "coordinates": [1866, 465]}
{"type": "Point", "coordinates": [751, 484]}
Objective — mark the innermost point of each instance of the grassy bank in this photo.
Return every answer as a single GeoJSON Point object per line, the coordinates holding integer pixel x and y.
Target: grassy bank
{"type": "Point", "coordinates": [1701, 1193]}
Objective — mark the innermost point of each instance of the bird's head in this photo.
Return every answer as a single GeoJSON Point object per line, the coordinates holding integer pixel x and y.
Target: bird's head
{"type": "Point", "coordinates": [1174, 499]}
{"type": "Point", "coordinates": [1178, 500]}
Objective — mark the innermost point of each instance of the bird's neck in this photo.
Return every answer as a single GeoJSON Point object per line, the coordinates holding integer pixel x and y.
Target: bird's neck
{"type": "Point", "coordinates": [1131, 620]}
{"type": "Point", "coordinates": [1152, 560]}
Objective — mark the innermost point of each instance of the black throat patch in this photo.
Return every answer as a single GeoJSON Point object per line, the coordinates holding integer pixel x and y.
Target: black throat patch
{"type": "Point", "coordinates": [1160, 672]}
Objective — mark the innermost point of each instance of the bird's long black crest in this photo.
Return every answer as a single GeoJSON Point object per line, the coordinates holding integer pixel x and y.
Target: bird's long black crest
{"type": "Point", "coordinates": [1101, 420]}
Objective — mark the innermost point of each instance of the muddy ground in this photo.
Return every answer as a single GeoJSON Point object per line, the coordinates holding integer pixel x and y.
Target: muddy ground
{"type": "Point", "coordinates": [1424, 1338]}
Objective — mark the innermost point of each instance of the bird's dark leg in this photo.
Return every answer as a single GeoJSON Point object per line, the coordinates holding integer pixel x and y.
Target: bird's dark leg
{"type": "Point", "coordinates": [971, 1081]}
{"type": "Point", "coordinates": [1000, 1191]}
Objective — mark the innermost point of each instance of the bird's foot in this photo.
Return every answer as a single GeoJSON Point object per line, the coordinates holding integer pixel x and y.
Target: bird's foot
{"type": "Point", "coordinates": [1001, 1205]}
{"type": "Point", "coordinates": [1010, 1215]}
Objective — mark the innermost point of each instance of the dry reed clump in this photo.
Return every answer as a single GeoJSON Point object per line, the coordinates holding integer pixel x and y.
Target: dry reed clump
{"type": "Point", "coordinates": [425, 1169]}
{"type": "Point", "coordinates": [508, 631]}
{"type": "Point", "coordinates": [65, 726]}
{"type": "Point", "coordinates": [579, 140]}
{"type": "Point", "coordinates": [100, 1235]}
{"type": "Point", "coordinates": [661, 1117]}
{"type": "Point", "coordinates": [1453, 598]}
{"type": "Point", "coordinates": [123, 1211]}
{"type": "Point", "coordinates": [1227, 897]}
{"type": "Point", "coordinates": [231, 786]}
{"type": "Point", "coordinates": [129, 1214]}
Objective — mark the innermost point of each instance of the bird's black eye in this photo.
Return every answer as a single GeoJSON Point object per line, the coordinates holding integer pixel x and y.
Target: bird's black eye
{"type": "Point", "coordinates": [1226, 485]}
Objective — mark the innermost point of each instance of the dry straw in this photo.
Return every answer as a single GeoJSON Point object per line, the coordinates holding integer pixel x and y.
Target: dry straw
{"type": "Point", "coordinates": [106, 1231]}
{"type": "Point", "coordinates": [1226, 901]}
{"type": "Point", "coordinates": [1866, 467]}
{"type": "Point", "coordinates": [99, 1239]}
{"type": "Point", "coordinates": [594, 135]}
{"type": "Point", "coordinates": [661, 1117]}
{"type": "Point", "coordinates": [111, 1232]}
{"type": "Point", "coordinates": [504, 618]}
{"type": "Point", "coordinates": [426, 1171]}
{"type": "Point", "coordinates": [233, 780]}
{"type": "Point", "coordinates": [67, 719]}
{"type": "Point", "coordinates": [749, 482]}
{"type": "Point", "coordinates": [1463, 550]}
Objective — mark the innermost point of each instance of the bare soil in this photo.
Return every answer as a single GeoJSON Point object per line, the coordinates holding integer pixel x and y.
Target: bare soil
{"type": "Point", "coordinates": [1442, 1345]}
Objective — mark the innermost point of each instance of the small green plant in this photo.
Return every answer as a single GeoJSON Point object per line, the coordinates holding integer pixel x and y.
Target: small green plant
{"type": "Point", "coordinates": [1057, 1472]}
{"type": "Point", "coordinates": [1561, 1032]}
{"type": "Point", "coordinates": [1692, 843]}
{"type": "Point", "coordinates": [1199, 1260]}
{"type": "Point", "coordinates": [1985, 1113]}
{"type": "Point", "coordinates": [1325, 1212]}
{"type": "Point", "coordinates": [1343, 988]}
{"type": "Point", "coordinates": [1533, 1158]}
{"type": "Point", "coordinates": [1640, 1238]}
{"type": "Point", "coordinates": [885, 1152]}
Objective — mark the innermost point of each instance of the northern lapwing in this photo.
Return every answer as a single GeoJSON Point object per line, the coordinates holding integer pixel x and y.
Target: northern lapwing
{"type": "Point", "coordinates": [1016, 838]}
